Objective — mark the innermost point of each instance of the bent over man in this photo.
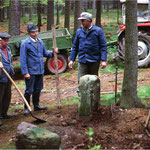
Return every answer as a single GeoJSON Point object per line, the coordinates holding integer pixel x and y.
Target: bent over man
{"type": "Point", "coordinates": [90, 46]}
{"type": "Point", "coordinates": [5, 84]}
{"type": "Point", "coordinates": [31, 59]}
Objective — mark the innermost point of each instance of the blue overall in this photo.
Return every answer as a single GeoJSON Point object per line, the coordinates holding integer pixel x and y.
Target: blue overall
{"type": "Point", "coordinates": [5, 84]}
{"type": "Point", "coordinates": [90, 45]}
{"type": "Point", "coordinates": [31, 61]}
{"type": "Point", "coordinates": [91, 48]}
{"type": "Point", "coordinates": [7, 63]}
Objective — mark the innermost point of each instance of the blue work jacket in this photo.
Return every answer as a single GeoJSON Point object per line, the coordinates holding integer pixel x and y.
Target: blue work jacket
{"type": "Point", "coordinates": [7, 63]}
{"type": "Point", "coordinates": [90, 45]}
{"type": "Point", "coordinates": [31, 57]}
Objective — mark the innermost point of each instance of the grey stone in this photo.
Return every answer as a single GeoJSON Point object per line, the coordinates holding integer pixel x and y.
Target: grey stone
{"type": "Point", "coordinates": [30, 136]}
{"type": "Point", "coordinates": [89, 87]}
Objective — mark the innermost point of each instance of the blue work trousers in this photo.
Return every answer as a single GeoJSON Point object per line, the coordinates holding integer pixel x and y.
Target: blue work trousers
{"type": "Point", "coordinates": [34, 84]}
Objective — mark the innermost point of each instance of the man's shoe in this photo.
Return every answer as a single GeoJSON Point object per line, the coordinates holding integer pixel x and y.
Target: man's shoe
{"type": "Point", "coordinates": [38, 107]}
{"type": "Point", "coordinates": [7, 116]}
{"type": "Point", "coordinates": [26, 112]}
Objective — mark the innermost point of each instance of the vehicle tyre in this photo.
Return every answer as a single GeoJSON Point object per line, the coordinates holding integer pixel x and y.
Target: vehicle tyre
{"type": "Point", "coordinates": [62, 64]}
{"type": "Point", "coordinates": [143, 49]}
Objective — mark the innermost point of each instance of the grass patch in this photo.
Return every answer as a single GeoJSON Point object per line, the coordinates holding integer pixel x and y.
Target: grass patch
{"type": "Point", "coordinates": [64, 75]}
{"type": "Point", "coordinates": [8, 145]}
{"type": "Point", "coordinates": [143, 92]}
{"type": "Point", "coordinates": [108, 99]}
{"type": "Point", "coordinates": [73, 100]}
{"type": "Point", "coordinates": [20, 84]}
{"type": "Point", "coordinates": [111, 68]}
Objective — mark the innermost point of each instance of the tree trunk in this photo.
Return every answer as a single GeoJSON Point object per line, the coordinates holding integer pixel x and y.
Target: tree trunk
{"type": "Point", "coordinates": [118, 8]}
{"type": "Point", "coordinates": [67, 14]}
{"type": "Point", "coordinates": [77, 13]}
{"type": "Point", "coordinates": [1, 11]}
{"type": "Point", "coordinates": [30, 11]}
{"type": "Point", "coordinates": [98, 13]}
{"type": "Point", "coordinates": [39, 15]}
{"type": "Point", "coordinates": [7, 13]}
{"type": "Point", "coordinates": [149, 10]}
{"type": "Point", "coordinates": [85, 5]}
{"type": "Point", "coordinates": [94, 8]}
{"type": "Point", "coordinates": [50, 14]}
{"type": "Point", "coordinates": [22, 11]}
{"type": "Point", "coordinates": [14, 17]}
{"type": "Point", "coordinates": [57, 8]}
{"type": "Point", "coordinates": [129, 97]}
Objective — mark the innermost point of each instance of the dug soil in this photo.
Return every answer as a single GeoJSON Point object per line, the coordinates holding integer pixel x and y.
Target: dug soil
{"type": "Point", "coordinates": [114, 127]}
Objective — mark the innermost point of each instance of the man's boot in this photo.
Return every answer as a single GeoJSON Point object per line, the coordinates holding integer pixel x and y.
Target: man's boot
{"type": "Point", "coordinates": [35, 100]}
{"type": "Point", "coordinates": [27, 97]}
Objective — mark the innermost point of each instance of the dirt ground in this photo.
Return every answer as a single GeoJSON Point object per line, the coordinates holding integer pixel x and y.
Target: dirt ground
{"type": "Point", "coordinates": [114, 128]}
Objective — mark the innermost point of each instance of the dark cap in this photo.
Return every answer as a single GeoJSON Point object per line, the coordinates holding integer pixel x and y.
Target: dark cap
{"type": "Point", "coordinates": [4, 35]}
{"type": "Point", "coordinates": [86, 16]}
{"type": "Point", "coordinates": [31, 27]}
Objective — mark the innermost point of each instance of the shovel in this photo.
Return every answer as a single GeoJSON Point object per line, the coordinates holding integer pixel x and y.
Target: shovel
{"type": "Point", "coordinates": [38, 120]}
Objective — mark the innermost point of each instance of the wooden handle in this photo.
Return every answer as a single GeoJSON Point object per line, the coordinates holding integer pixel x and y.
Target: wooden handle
{"type": "Point", "coordinates": [56, 66]}
{"type": "Point", "coordinates": [9, 77]}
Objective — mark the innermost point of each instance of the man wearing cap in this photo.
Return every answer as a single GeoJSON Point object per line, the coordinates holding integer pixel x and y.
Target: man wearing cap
{"type": "Point", "coordinates": [5, 84]}
{"type": "Point", "coordinates": [31, 59]}
{"type": "Point", "coordinates": [91, 47]}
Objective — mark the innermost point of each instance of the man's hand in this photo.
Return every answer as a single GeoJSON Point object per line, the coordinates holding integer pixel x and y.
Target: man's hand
{"type": "Point", "coordinates": [70, 64]}
{"type": "Point", "coordinates": [103, 64]}
{"type": "Point", "coordinates": [1, 65]}
{"type": "Point", "coordinates": [27, 76]}
{"type": "Point", "coordinates": [55, 50]}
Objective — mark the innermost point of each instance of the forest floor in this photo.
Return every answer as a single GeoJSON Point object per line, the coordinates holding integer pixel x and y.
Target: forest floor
{"type": "Point", "coordinates": [114, 127]}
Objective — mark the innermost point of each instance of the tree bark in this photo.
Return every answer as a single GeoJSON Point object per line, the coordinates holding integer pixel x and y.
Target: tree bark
{"type": "Point", "coordinates": [129, 97]}
{"type": "Point", "coordinates": [118, 8]}
{"type": "Point", "coordinates": [1, 11]}
{"type": "Point", "coordinates": [30, 11]}
{"type": "Point", "coordinates": [57, 8]}
{"type": "Point", "coordinates": [14, 17]}
{"type": "Point", "coordinates": [149, 10]}
{"type": "Point", "coordinates": [77, 13]}
{"type": "Point", "coordinates": [94, 8]}
{"type": "Point", "coordinates": [67, 14]}
{"type": "Point", "coordinates": [22, 11]}
{"type": "Point", "coordinates": [98, 13]}
{"type": "Point", "coordinates": [50, 14]}
{"type": "Point", "coordinates": [39, 15]}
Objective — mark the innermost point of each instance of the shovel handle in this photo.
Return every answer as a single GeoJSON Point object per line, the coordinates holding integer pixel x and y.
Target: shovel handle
{"type": "Point", "coordinates": [9, 77]}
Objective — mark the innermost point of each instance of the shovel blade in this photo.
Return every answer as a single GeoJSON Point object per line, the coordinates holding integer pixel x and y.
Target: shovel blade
{"type": "Point", "coordinates": [38, 120]}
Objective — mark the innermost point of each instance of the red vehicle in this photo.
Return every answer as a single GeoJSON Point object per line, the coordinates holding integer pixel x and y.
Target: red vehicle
{"type": "Point", "coordinates": [143, 18]}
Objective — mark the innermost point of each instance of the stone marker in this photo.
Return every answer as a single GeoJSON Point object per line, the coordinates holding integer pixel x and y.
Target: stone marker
{"type": "Point", "coordinates": [30, 136]}
{"type": "Point", "coordinates": [89, 99]}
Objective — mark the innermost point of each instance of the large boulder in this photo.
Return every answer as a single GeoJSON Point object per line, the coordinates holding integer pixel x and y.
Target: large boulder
{"type": "Point", "coordinates": [89, 99]}
{"type": "Point", "coordinates": [30, 136]}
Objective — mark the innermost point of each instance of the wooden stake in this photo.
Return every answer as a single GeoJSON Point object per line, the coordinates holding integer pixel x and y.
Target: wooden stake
{"type": "Point", "coordinates": [56, 67]}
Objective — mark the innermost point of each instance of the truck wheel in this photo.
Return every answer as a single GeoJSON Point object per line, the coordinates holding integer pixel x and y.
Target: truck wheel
{"type": "Point", "coordinates": [143, 49]}
{"type": "Point", "coordinates": [62, 64]}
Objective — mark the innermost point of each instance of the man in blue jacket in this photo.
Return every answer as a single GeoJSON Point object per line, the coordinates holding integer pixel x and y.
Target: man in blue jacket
{"type": "Point", "coordinates": [5, 84]}
{"type": "Point", "coordinates": [90, 46]}
{"type": "Point", "coordinates": [31, 59]}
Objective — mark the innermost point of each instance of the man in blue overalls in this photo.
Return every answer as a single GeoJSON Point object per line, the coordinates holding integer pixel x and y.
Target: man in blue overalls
{"type": "Point", "coordinates": [31, 59]}
{"type": "Point", "coordinates": [90, 46]}
{"type": "Point", "coordinates": [5, 84]}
